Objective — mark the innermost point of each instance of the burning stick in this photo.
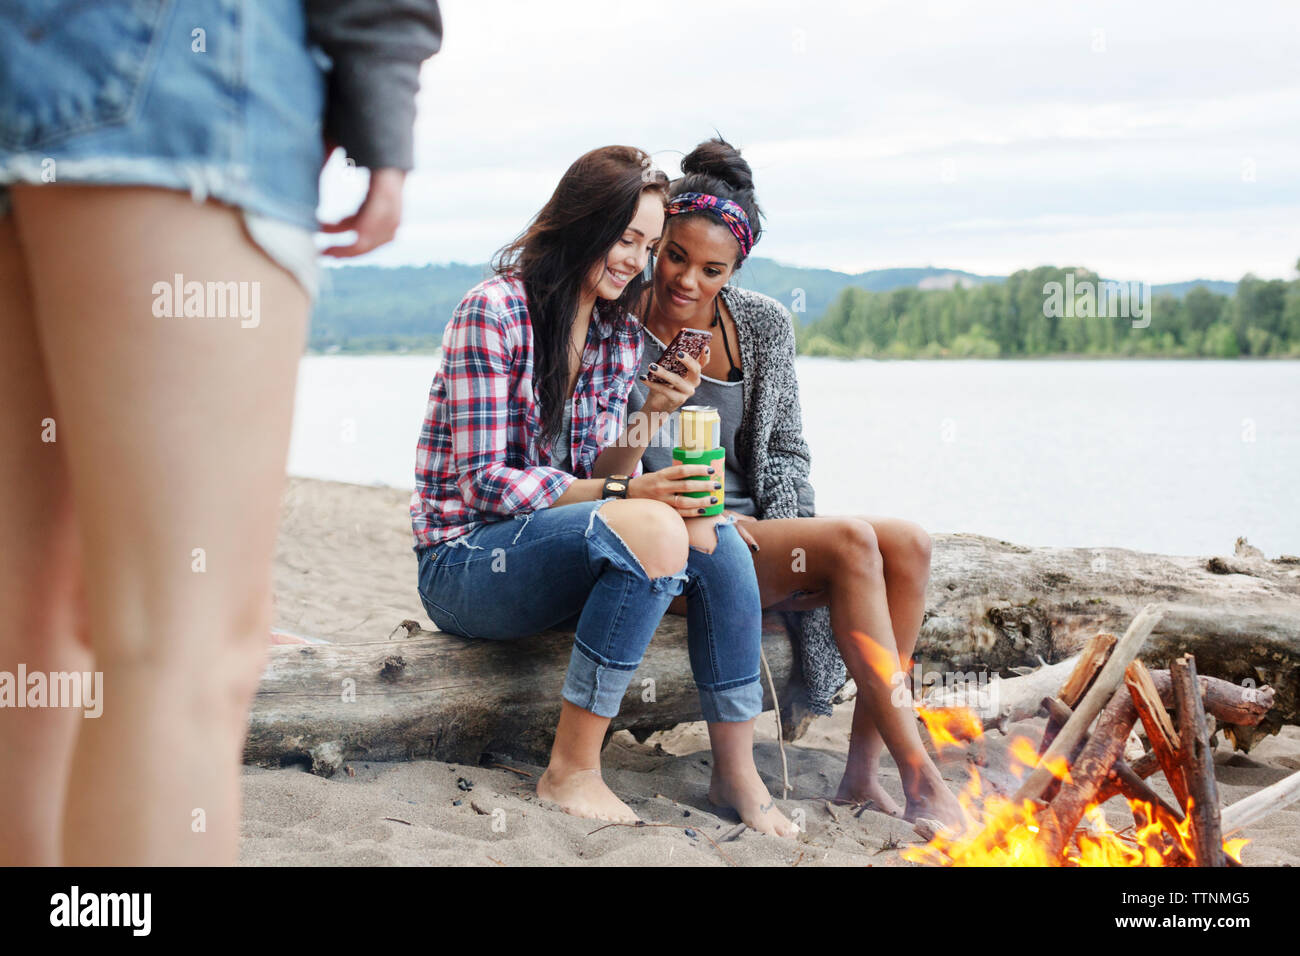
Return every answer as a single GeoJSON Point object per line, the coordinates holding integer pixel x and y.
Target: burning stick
{"type": "Point", "coordinates": [1224, 699]}
{"type": "Point", "coordinates": [1123, 778]}
{"type": "Point", "coordinates": [1159, 728]}
{"type": "Point", "coordinates": [1087, 773]}
{"type": "Point", "coordinates": [1103, 686]}
{"type": "Point", "coordinates": [1197, 759]}
{"type": "Point", "coordinates": [1142, 768]}
{"type": "Point", "coordinates": [1091, 660]}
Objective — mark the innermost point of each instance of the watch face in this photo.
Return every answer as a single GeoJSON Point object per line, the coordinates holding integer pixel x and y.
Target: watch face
{"type": "Point", "coordinates": [616, 486]}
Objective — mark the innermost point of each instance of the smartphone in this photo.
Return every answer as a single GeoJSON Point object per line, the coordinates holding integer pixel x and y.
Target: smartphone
{"type": "Point", "coordinates": [690, 341]}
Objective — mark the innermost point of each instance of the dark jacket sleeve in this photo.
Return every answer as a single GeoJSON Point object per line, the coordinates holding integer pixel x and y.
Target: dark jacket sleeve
{"type": "Point", "coordinates": [376, 47]}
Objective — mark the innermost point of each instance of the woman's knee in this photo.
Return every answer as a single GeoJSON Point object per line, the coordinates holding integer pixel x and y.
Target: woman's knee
{"type": "Point", "coordinates": [858, 548]}
{"type": "Point", "coordinates": [226, 635]}
{"type": "Point", "coordinates": [704, 534]}
{"type": "Point", "coordinates": [652, 531]}
{"type": "Point", "coordinates": [917, 547]}
{"type": "Point", "coordinates": [906, 549]}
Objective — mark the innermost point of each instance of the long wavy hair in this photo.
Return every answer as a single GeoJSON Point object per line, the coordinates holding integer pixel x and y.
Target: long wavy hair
{"type": "Point", "coordinates": [588, 212]}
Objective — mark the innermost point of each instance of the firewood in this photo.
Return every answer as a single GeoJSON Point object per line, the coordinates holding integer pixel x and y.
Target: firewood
{"type": "Point", "coordinates": [1058, 713]}
{"type": "Point", "coordinates": [1169, 847]}
{"type": "Point", "coordinates": [1087, 773]}
{"type": "Point", "coordinates": [1146, 765]}
{"type": "Point", "coordinates": [1123, 779]}
{"type": "Point", "coordinates": [1087, 667]}
{"type": "Point", "coordinates": [1093, 657]}
{"type": "Point", "coordinates": [1160, 729]}
{"type": "Point", "coordinates": [1135, 788]}
{"type": "Point", "coordinates": [1143, 767]}
{"type": "Point", "coordinates": [1227, 701]}
{"type": "Point", "coordinates": [1091, 660]}
{"type": "Point", "coordinates": [1002, 700]}
{"type": "Point", "coordinates": [1223, 699]}
{"type": "Point", "coordinates": [1093, 702]}
{"type": "Point", "coordinates": [1197, 759]}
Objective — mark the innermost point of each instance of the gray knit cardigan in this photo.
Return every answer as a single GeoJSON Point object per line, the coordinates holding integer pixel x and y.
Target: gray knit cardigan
{"type": "Point", "coordinates": [775, 456]}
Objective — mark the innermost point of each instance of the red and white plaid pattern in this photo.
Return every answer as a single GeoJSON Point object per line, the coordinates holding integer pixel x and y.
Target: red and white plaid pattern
{"type": "Point", "coordinates": [478, 458]}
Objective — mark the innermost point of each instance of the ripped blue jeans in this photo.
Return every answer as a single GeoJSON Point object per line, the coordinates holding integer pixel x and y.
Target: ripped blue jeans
{"type": "Point", "coordinates": [534, 571]}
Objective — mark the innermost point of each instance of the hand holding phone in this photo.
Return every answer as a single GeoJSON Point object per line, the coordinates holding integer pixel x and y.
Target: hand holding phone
{"type": "Point", "coordinates": [691, 341]}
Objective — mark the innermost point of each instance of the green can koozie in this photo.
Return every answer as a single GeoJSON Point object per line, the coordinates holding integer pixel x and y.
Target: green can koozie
{"type": "Point", "coordinates": [714, 457]}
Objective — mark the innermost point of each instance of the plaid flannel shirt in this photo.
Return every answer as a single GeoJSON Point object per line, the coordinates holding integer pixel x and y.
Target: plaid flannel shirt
{"type": "Point", "coordinates": [478, 458]}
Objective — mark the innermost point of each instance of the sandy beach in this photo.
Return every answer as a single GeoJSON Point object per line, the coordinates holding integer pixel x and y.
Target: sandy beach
{"type": "Point", "coordinates": [345, 572]}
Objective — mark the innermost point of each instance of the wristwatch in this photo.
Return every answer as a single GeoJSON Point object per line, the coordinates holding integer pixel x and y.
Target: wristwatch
{"type": "Point", "coordinates": [615, 487]}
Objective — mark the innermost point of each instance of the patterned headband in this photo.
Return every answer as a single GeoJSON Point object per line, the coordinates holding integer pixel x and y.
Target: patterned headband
{"type": "Point", "coordinates": [724, 210]}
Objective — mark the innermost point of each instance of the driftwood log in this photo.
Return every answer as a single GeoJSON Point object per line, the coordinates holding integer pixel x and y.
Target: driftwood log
{"type": "Point", "coordinates": [447, 698]}
{"type": "Point", "coordinates": [992, 607]}
{"type": "Point", "coordinates": [1260, 804]}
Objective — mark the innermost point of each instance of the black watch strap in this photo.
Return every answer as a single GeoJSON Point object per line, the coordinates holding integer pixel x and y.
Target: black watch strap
{"type": "Point", "coordinates": [615, 487]}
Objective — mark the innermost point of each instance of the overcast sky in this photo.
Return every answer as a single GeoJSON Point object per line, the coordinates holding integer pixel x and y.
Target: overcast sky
{"type": "Point", "coordinates": [1149, 140]}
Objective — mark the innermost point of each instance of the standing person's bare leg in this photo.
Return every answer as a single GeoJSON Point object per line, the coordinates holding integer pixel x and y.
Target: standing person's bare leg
{"type": "Point", "coordinates": [905, 548]}
{"type": "Point", "coordinates": [175, 431]}
{"type": "Point", "coordinates": [38, 579]}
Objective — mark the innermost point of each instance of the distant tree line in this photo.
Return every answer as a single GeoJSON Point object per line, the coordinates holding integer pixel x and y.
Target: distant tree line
{"type": "Point", "coordinates": [372, 309]}
{"type": "Point", "coordinates": [1020, 317]}
{"type": "Point", "coordinates": [880, 313]}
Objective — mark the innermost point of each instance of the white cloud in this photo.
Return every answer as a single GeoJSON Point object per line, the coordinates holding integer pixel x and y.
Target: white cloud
{"type": "Point", "coordinates": [1156, 140]}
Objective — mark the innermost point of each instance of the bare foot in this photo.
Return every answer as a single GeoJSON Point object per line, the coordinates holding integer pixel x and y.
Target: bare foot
{"type": "Point", "coordinates": [933, 800]}
{"type": "Point", "coordinates": [856, 789]}
{"type": "Point", "coordinates": [744, 792]}
{"type": "Point", "coordinates": [584, 794]}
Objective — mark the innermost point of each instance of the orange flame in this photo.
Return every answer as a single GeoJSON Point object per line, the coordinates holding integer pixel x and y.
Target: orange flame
{"type": "Point", "coordinates": [951, 727]}
{"type": "Point", "coordinates": [1006, 833]}
{"type": "Point", "coordinates": [884, 663]}
{"type": "Point", "coordinates": [1234, 847]}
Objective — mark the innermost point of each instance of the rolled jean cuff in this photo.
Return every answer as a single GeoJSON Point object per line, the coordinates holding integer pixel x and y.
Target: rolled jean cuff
{"type": "Point", "coordinates": [596, 683]}
{"type": "Point", "coordinates": [732, 703]}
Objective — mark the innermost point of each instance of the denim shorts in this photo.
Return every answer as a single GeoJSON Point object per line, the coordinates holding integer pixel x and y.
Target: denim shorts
{"type": "Point", "coordinates": [218, 98]}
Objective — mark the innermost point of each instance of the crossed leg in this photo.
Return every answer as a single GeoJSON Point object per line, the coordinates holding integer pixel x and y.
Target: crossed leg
{"type": "Point", "coordinates": [872, 570]}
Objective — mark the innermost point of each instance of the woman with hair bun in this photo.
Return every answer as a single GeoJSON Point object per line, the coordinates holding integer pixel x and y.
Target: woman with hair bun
{"type": "Point", "coordinates": [859, 589]}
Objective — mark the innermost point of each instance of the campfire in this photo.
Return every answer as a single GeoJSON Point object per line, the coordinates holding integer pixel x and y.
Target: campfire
{"type": "Point", "coordinates": [1055, 817]}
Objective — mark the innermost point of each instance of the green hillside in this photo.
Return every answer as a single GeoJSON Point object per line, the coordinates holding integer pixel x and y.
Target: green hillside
{"type": "Point", "coordinates": [375, 308]}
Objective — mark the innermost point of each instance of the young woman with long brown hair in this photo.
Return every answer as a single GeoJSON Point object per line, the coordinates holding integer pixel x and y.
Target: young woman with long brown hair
{"type": "Point", "coordinates": [515, 534]}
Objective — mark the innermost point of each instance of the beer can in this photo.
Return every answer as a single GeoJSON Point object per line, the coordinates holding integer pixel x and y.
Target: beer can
{"type": "Point", "coordinates": [699, 428]}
